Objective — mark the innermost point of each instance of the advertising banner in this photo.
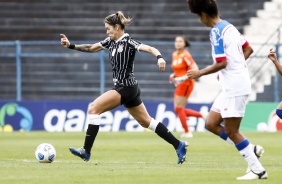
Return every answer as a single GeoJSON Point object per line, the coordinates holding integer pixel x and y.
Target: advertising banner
{"type": "Point", "coordinates": [71, 116]}
{"type": "Point", "coordinates": [261, 117]}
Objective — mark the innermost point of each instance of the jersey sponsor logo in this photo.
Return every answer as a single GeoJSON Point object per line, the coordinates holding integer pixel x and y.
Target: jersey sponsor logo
{"type": "Point", "coordinates": [215, 36]}
{"type": "Point", "coordinates": [177, 62]}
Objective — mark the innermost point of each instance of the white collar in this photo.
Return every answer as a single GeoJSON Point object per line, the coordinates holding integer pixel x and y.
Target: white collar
{"type": "Point", "coordinates": [124, 35]}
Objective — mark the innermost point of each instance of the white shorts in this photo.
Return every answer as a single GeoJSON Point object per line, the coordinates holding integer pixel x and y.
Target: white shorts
{"type": "Point", "coordinates": [230, 107]}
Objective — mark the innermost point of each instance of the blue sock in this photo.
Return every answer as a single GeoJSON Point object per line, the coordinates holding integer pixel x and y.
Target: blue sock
{"type": "Point", "coordinates": [243, 144]}
{"type": "Point", "coordinates": [279, 113]}
{"type": "Point", "coordinates": [223, 135]}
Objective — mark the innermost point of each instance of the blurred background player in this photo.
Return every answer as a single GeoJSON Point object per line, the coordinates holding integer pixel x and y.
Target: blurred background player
{"type": "Point", "coordinates": [126, 91]}
{"type": "Point", "coordinates": [182, 61]}
{"type": "Point", "coordinates": [230, 51]}
{"type": "Point", "coordinates": [272, 56]}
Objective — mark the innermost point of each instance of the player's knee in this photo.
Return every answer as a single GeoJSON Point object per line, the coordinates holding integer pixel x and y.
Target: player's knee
{"type": "Point", "coordinates": [279, 113]}
{"type": "Point", "coordinates": [92, 109]}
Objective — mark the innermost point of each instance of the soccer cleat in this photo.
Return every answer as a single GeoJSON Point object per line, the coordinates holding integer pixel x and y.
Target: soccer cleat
{"type": "Point", "coordinates": [80, 152]}
{"type": "Point", "coordinates": [181, 152]}
{"type": "Point", "coordinates": [254, 176]}
{"type": "Point", "coordinates": [186, 135]}
{"type": "Point", "coordinates": [258, 150]}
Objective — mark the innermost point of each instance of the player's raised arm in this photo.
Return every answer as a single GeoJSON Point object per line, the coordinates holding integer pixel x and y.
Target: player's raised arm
{"type": "Point", "coordinates": [83, 47]}
{"type": "Point", "coordinates": [156, 53]}
{"type": "Point", "coordinates": [272, 56]}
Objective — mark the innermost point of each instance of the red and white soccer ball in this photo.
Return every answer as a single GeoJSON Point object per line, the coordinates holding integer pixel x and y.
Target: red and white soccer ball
{"type": "Point", "coordinates": [45, 153]}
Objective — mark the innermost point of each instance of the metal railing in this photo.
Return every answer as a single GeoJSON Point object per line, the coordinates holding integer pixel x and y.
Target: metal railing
{"type": "Point", "coordinates": [35, 49]}
{"type": "Point", "coordinates": [56, 50]}
{"type": "Point", "coordinates": [19, 54]}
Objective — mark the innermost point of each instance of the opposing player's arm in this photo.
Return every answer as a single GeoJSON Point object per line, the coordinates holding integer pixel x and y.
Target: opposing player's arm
{"type": "Point", "coordinates": [272, 56]}
{"type": "Point", "coordinates": [83, 47]}
{"type": "Point", "coordinates": [193, 74]}
{"type": "Point", "coordinates": [247, 50]}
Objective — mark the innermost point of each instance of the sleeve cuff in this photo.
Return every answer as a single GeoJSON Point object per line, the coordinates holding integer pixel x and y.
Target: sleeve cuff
{"type": "Point", "coordinates": [245, 44]}
{"type": "Point", "coordinates": [219, 59]}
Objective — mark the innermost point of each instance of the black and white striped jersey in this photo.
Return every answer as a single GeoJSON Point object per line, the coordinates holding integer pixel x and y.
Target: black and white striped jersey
{"type": "Point", "coordinates": [122, 54]}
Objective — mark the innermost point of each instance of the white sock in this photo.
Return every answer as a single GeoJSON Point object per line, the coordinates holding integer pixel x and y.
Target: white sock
{"type": "Point", "coordinates": [251, 158]}
{"type": "Point", "coordinates": [153, 124]}
{"type": "Point", "coordinates": [94, 119]}
{"type": "Point", "coordinates": [228, 140]}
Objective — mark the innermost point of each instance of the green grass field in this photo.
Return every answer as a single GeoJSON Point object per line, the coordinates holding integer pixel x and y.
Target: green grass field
{"type": "Point", "coordinates": [133, 158]}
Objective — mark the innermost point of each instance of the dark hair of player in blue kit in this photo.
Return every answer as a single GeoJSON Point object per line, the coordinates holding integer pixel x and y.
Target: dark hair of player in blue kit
{"type": "Point", "coordinates": [208, 7]}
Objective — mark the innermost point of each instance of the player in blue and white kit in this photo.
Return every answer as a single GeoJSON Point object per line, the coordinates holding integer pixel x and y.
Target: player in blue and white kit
{"type": "Point", "coordinates": [230, 51]}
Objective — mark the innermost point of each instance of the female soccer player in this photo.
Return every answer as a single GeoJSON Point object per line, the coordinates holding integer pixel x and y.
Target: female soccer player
{"type": "Point", "coordinates": [126, 91]}
{"type": "Point", "coordinates": [273, 58]}
{"type": "Point", "coordinates": [230, 51]}
{"type": "Point", "coordinates": [182, 61]}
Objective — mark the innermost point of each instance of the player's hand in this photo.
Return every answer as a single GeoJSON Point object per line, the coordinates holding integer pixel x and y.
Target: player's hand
{"type": "Point", "coordinates": [179, 80]}
{"type": "Point", "coordinates": [272, 55]}
{"type": "Point", "coordinates": [64, 41]}
{"type": "Point", "coordinates": [161, 64]}
{"type": "Point", "coordinates": [171, 78]}
{"type": "Point", "coordinates": [193, 74]}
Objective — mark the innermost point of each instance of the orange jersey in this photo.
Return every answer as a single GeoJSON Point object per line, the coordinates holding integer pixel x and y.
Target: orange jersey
{"type": "Point", "coordinates": [181, 62]}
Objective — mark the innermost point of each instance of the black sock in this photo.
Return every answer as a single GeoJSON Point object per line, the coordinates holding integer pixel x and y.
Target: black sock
{"type": "Point", "coordinates": [90, 136]}
{"type": "Point", "coordinates": [164, 133]}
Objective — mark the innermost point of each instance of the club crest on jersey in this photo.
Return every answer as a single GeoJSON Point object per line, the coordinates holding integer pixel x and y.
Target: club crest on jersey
{"type": "Point", "coordinates": [120, 48]}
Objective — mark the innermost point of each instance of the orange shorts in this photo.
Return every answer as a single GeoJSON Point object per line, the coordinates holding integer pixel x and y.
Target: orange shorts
{"type": "Point", "coordinates": [185, 88]}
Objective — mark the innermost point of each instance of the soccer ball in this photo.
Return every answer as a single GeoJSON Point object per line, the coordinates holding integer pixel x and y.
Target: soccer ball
{"type": "Point", "coordinates": [262, 127]}
{"type": "Point", "coordinates": [45, 153]}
